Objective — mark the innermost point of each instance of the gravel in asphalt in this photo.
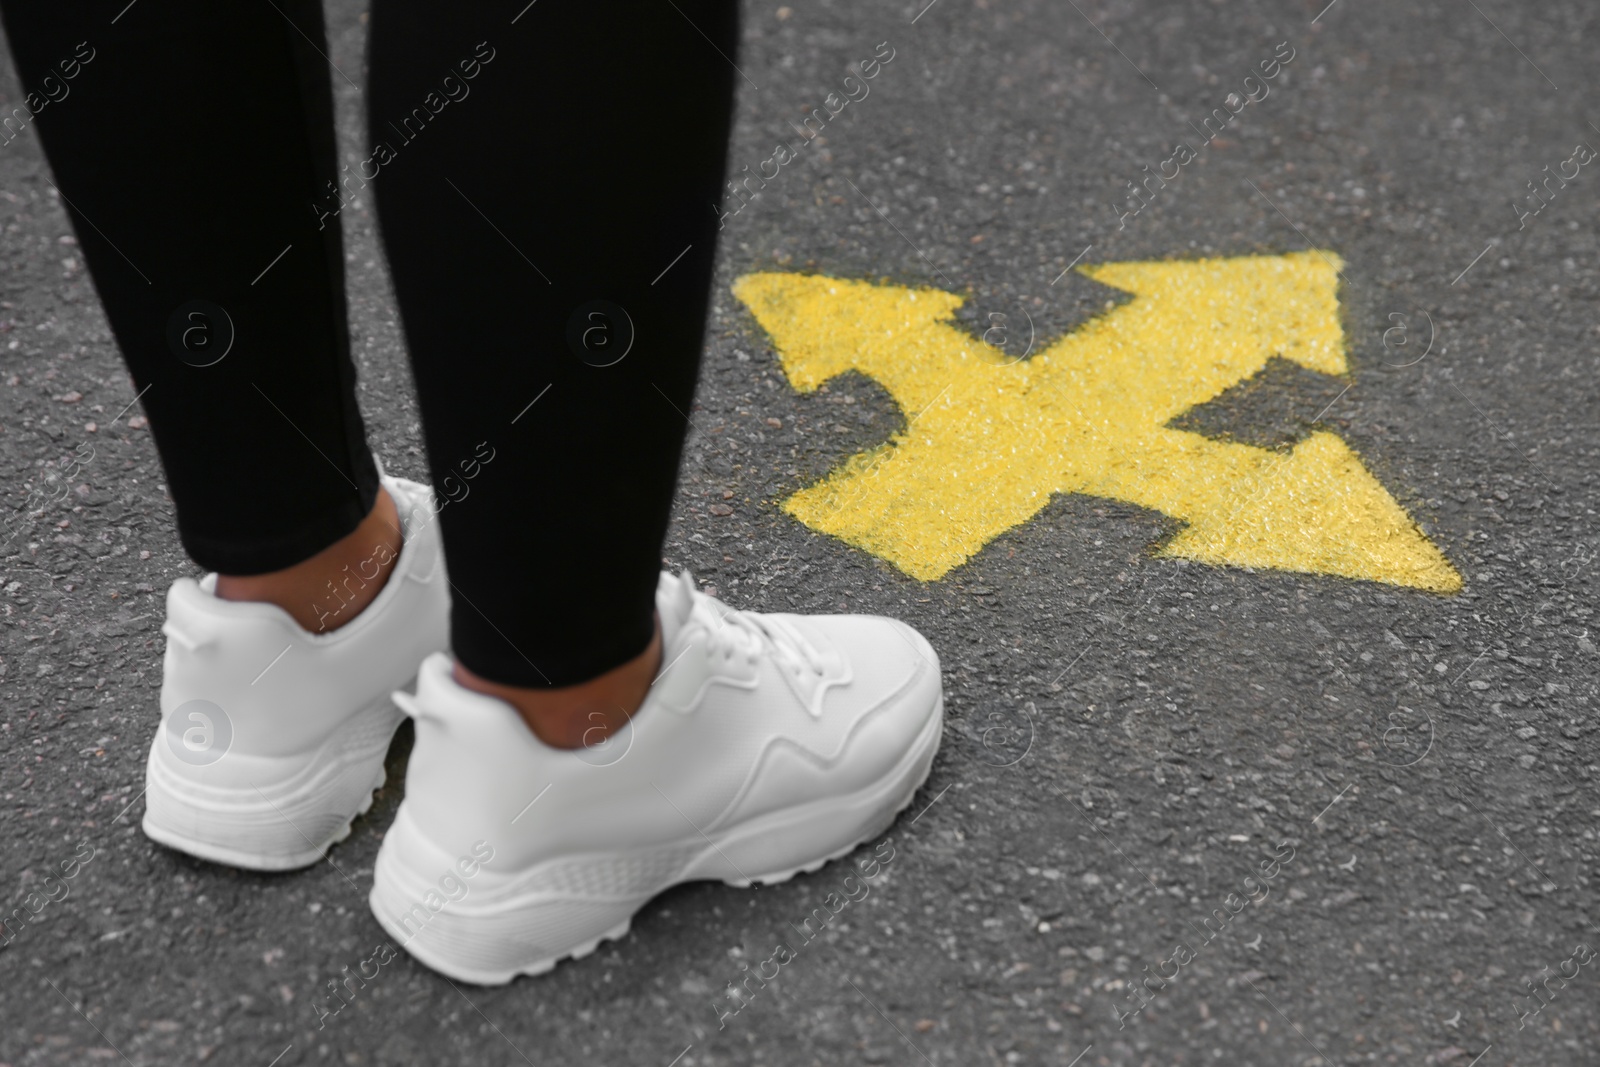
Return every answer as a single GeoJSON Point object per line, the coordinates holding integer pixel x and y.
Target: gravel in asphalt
{"type": "Point", "coordinates": [1134, 741]}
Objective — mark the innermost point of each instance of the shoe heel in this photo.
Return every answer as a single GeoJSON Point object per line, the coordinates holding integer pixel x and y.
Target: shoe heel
{"type": "Point", "coordinates": [479, 929]}
{"type": "Point", "coordinates": [286, 817]}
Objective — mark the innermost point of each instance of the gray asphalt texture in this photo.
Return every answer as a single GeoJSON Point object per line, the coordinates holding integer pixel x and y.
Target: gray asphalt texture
{"type": "Point", "coordinates": [1129, 738]}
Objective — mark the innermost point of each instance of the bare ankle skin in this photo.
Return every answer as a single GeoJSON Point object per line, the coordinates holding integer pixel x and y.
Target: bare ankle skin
{"type": "Point", "coordinates": [582, 715]}
{"type": "Point", "coordinates": [331, 588]}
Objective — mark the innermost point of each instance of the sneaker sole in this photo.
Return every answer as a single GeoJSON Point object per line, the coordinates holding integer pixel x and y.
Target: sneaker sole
{"type": "Point", "coordinates": [495, 942]}
{"type": "Point", "coordinates": [282, 826]}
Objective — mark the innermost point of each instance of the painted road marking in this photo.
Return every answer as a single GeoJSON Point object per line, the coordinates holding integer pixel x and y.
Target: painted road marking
{"type": "Point", "coordinates": [992, 442]}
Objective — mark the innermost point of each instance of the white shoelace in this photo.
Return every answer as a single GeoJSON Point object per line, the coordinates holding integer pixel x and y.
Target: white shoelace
{"type": "Point", "coordinates": [737, 633]}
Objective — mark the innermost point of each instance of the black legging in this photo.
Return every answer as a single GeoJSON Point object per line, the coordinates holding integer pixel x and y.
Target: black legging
{"type": "Point", "coordinates": [545, 177]}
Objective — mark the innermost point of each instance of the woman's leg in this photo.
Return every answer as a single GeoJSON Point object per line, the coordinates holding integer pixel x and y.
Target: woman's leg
{"type": "Point", "coordinates": [190, 141]}
{"type": "Point", "coordinates": [548, 177]}
{"type": "Point", "coordinates": [546, 182]}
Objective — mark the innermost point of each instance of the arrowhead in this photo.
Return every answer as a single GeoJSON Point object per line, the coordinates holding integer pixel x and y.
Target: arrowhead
{"type": "Point", "coordinates": [824, 326]}
{"type": "Point", "coordinates": [1243, 309]}
{"type": "Point", "coordinates": [1318, 510]}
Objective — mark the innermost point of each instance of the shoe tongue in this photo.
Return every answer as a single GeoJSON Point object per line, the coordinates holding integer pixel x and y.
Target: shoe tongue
{"type": "Point", "coordinates": [674, 602]}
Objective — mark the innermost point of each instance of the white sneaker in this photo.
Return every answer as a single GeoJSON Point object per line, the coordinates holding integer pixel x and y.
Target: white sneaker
{"type": "Point", "coordinates": [273, 738]}
{"type": "Point", "coordinates": [767, 745]}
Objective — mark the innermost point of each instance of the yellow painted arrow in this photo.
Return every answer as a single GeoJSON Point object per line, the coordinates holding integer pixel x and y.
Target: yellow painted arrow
{"type": "Point", "coordinates": [986, 444]}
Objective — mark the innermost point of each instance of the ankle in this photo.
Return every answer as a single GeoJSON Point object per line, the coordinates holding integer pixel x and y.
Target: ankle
{"type": "Point", "coordinates": [331, 588]}
{"type": "Point", "coordinates": [583, 715]}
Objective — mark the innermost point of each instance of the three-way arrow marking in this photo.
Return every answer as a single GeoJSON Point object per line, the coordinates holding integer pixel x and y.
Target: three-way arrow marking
{"type": "Point", "coordinates": [987, 444]}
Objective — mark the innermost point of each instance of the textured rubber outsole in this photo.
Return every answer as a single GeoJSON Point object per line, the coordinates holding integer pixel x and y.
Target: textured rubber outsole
{"type": "Point", "coordinates": [258, 861]}
{"type": "Point", "coordinates": [458, 942]}
{"type": "Point", "coordinates": [282, 826]}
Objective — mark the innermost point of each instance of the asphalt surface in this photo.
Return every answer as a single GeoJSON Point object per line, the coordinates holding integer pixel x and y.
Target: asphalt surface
{"type": "Point", "coordinates": [1130, 738]}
